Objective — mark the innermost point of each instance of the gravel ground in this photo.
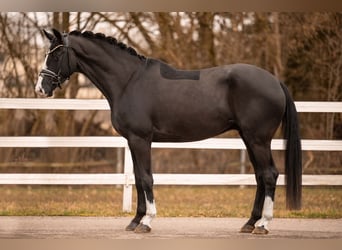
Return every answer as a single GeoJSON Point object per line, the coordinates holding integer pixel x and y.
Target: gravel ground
{"type": "Point", "coordinates": [163, 228]}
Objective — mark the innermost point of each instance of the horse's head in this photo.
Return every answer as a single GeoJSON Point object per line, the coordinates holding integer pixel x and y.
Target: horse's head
{"type": "Point", "coordinates": [58, 64]}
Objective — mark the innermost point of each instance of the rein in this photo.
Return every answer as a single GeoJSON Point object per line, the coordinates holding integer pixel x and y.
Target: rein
{"type": "Point", "coordinates": [58, 78]}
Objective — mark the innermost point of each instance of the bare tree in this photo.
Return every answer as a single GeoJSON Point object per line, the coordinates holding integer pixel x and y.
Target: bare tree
{"type": "Point", "coordinates": [302, 49]}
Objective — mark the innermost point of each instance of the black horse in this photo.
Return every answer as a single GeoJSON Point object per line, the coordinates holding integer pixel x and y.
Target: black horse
{"type": "Point", "coordinates": [152, 101]}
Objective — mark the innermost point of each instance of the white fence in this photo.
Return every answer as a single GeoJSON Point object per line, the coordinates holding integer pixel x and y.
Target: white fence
{"type": "Point", "coordinates": [127, 178]}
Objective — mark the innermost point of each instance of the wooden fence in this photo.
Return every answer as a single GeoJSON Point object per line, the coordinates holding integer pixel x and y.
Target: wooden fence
{"type": "Point", "coordinates": [127, 178]}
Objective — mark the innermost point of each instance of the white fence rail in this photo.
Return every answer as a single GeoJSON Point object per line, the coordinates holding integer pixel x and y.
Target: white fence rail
{"type": "Point", "coordinates": [127, 178]}
{"type": "Point", "coordinates": [102, 104]}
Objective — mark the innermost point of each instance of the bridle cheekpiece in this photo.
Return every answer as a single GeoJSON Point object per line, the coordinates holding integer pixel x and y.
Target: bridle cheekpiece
{"type": "Point", "coordinates": [58, 78]}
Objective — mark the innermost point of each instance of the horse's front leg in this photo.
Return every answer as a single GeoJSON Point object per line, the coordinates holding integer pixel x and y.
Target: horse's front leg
{"type": "Point", "coordinates": [146, 209]}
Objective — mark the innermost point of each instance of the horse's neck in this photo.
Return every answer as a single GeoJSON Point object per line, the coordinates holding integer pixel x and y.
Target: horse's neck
{"type": "Point", "coordinates": [108, 68]}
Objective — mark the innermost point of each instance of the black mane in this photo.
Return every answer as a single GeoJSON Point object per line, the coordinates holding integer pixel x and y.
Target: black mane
{"type": "Point", "coordinates": [109, 39]}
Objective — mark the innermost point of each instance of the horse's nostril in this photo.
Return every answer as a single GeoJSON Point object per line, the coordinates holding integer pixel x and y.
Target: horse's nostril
{"type": "Point", "coordinates": [38, 90]}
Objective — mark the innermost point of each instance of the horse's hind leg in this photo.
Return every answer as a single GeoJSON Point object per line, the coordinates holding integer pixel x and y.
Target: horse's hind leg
{"type": "Point", "coordinates": [266, 177]}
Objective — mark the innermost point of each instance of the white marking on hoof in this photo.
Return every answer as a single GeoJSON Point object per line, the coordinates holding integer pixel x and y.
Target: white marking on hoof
{"type": "Point", "coordinates": [151, 213]}
{"type": "Point", "coordinates": [267, 213]}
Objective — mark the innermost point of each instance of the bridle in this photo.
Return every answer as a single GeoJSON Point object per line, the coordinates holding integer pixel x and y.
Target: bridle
{"type": "Point", "coordinates": [58, 78]}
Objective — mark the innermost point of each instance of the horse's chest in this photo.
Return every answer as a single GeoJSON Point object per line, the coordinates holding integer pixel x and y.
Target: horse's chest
{"type": "Point", "coordinates": [126, 121]}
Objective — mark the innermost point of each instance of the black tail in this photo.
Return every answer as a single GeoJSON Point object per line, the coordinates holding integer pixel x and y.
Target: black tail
{"type": "Point", "coordinates": [293, 155]}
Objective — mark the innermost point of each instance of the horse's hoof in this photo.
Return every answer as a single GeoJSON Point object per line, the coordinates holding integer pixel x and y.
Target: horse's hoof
{"type": "Point", "coordinates": [132, 226]}
{"type": "Point", "coordinates": [247, 228]}
{"type": "Point", "coordinates": [141, 229]}
{"type": "Point", "coordinates": [260, 230]}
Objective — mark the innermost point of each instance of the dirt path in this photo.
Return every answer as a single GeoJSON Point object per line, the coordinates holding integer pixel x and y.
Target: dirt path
{"type": "Point", "coordinates": [163, 228]}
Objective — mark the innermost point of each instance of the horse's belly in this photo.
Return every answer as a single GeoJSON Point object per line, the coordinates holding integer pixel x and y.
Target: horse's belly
{"type": "Point", "coordinates": [163, 137]}
{"type": "Point", "coordinates": [191, 129]}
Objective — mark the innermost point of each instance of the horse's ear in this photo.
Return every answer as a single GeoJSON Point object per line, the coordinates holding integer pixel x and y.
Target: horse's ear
{"type": "Point", "coordinates": [58, 35]}
{"type": "Point", "coordinates": [48, 35]}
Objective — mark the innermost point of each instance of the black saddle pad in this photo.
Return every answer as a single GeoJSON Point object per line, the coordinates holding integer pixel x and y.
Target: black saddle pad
{"type": "Point", "coordinates": [171, 73]}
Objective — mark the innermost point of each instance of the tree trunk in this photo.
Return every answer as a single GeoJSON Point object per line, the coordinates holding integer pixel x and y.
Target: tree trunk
{"type": "Point", "coordinates": [278, 65]}
{"type": "Point", "coordinates": [206, 39]}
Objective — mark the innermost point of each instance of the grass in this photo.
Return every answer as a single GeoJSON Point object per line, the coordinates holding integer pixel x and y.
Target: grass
{"type": "Point", "coordinates": [171, 201]}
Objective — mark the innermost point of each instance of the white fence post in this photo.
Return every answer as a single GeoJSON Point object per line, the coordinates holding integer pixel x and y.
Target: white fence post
{"type": "Point", "coordinates": [242, 163]}
{"type": "Point", "coordinates": [127, 189]}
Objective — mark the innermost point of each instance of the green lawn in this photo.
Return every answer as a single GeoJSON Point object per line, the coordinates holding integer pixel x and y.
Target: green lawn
{"type": "Point", "coordinates": [171, 201]}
